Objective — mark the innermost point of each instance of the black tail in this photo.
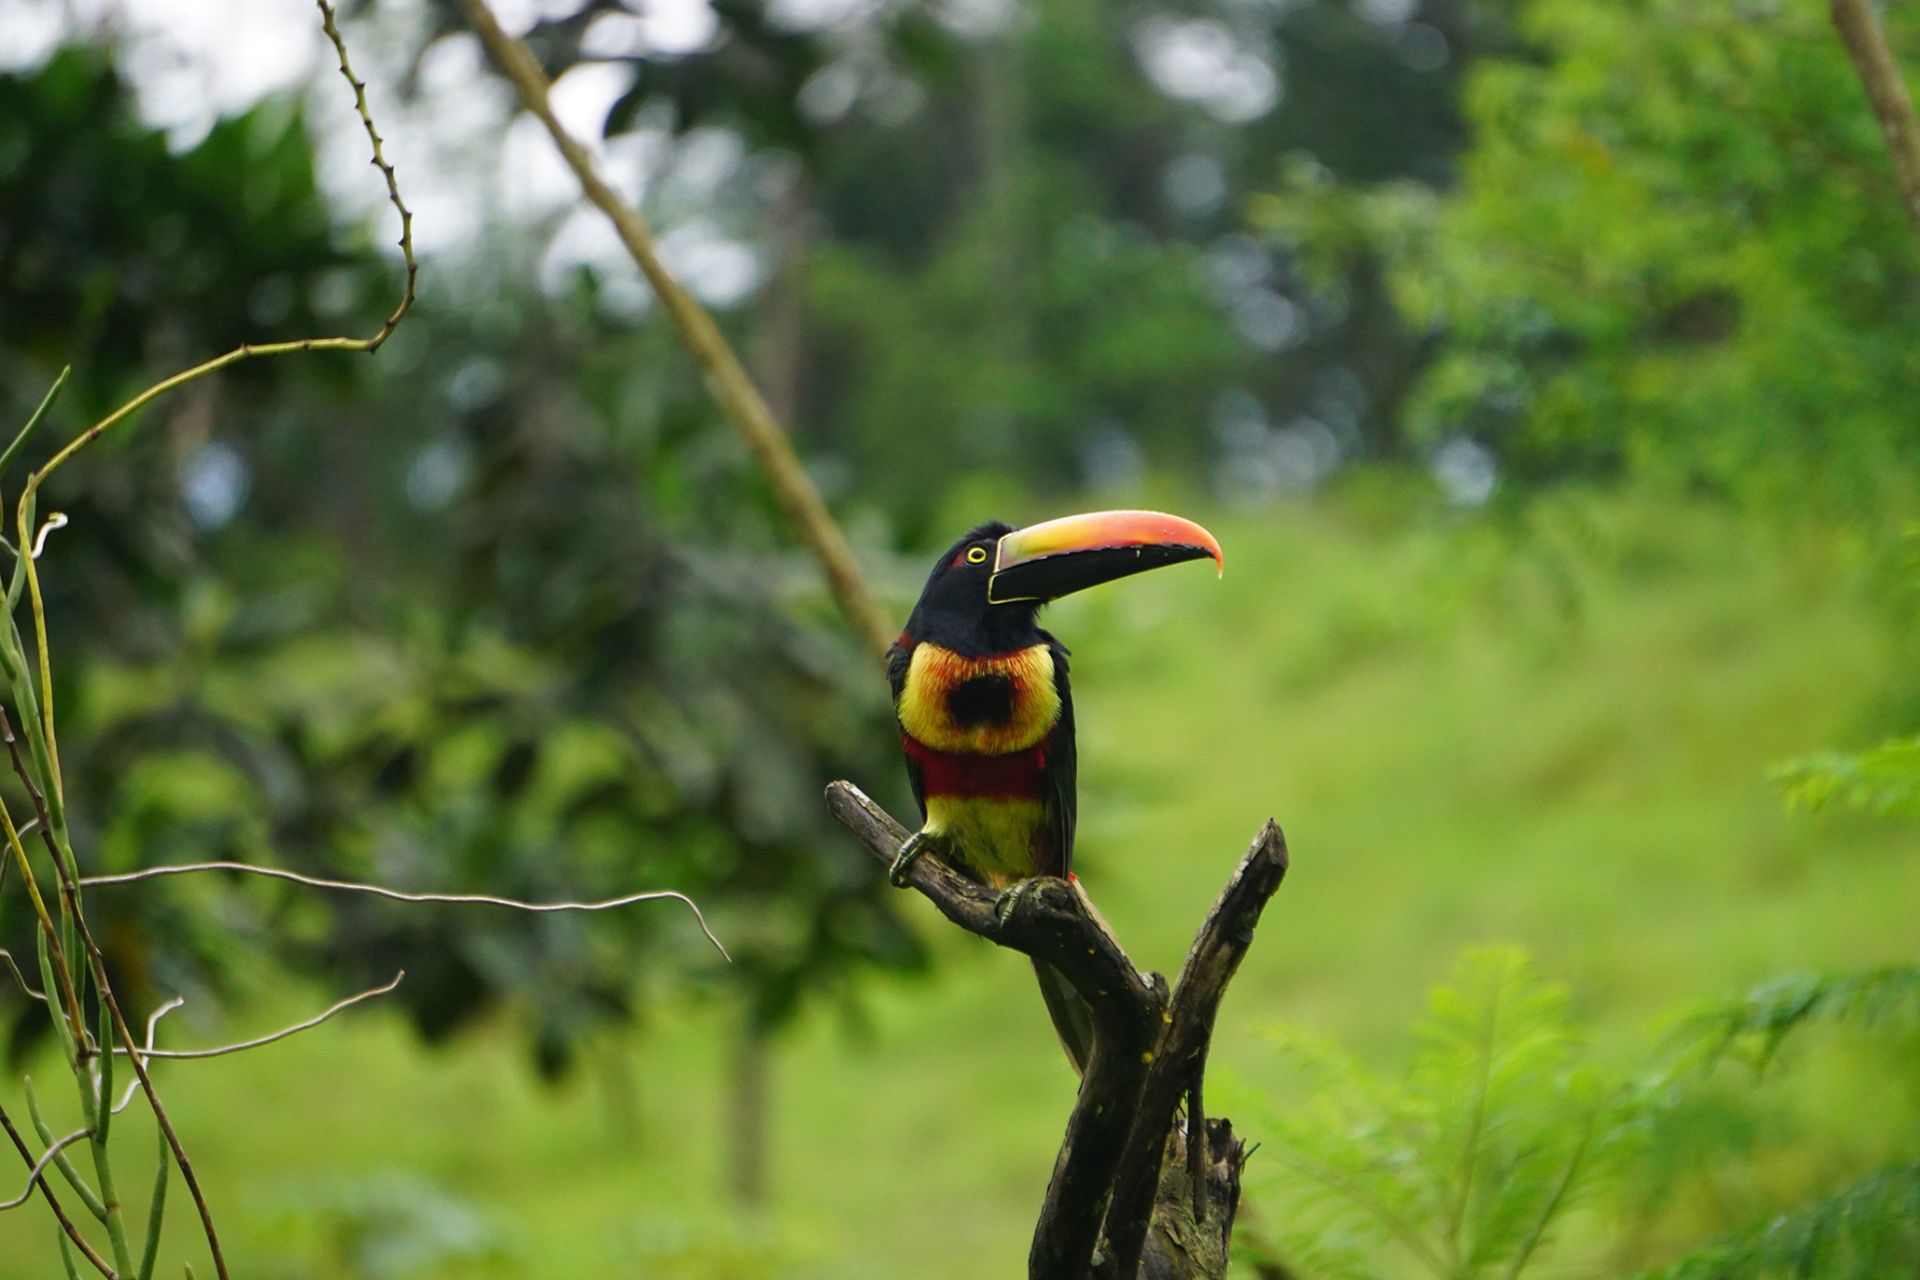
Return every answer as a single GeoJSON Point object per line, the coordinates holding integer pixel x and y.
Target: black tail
{"type": "Point", "coordinates": [1071, 1016]}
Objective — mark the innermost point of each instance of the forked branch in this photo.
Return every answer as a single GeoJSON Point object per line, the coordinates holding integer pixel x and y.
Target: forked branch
{"type": "Point", "coordinates": [1112, 1183]}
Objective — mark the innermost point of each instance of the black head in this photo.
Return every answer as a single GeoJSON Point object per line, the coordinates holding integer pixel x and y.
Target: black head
{"type": "Point", "coordinates": [986, 589]}
{"type": "Point", "coordinates": [953, 611]}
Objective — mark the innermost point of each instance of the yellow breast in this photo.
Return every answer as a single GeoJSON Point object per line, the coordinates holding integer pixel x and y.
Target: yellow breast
{"type": "Point", "coordinates": [927, 709]}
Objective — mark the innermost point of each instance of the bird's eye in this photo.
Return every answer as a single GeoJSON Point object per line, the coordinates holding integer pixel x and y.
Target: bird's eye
{"type": "Point", "coordinates": [976, 555]}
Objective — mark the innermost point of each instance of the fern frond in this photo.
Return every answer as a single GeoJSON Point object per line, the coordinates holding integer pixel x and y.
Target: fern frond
{"type": "Point", "coordinates": [1493, 1033]}
{"type": "Point", "coordinates": [1466, 1165]}
{"type": "Point", "coordinates": [1867, 1231]}
{"type": "Point", "coordinates": [1884, 780]}
{"type": "Point", "coordinates": [1756, 1026]}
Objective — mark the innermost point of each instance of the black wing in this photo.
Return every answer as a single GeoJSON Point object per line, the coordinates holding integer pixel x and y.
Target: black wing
{"type": "Point", "coordinates": [1062, 797]}
{"type": "Point", "coordinates": [897, 662]}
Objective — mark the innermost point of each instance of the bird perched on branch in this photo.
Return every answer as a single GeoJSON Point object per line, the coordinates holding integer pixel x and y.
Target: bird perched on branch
{"type": "Point", "coordinates": [985, 709]}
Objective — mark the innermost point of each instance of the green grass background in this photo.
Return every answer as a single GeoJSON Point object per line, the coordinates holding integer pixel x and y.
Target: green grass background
{"type": "Point", "coordinates": [1550, 728]}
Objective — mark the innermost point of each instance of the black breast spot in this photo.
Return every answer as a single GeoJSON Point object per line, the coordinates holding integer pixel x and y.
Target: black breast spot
{"type": "Point", "coordinates": [981, 700]}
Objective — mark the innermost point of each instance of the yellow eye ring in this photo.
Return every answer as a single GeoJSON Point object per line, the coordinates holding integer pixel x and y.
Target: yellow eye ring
{"type": "Point", "coordinates": [976, 555]}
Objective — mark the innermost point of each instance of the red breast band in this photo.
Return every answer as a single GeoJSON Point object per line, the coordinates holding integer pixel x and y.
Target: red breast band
{"type": "Point", "coordinates": [1017, 775]}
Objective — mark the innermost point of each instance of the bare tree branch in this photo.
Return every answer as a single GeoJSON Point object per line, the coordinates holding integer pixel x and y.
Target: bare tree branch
{"type": "Point", "coordinates": [726, 378]}
{"type": "Point", "coordinates": [1049, 921]}
{"type": "Point", "coordinates": [104, 988]}
{"type": "Point", "coordinates": [53, 1202]}
{"type": "Point", "coordinates": [1866, 43]}
{"type": "Point", "coordinates": [380, 162]}
{"type": "Point", "coordinates": [1111, 1180]}
{"type": "Point", "coordinates": [1215, 955]}
{"type": "Point", "coordinates": [381, 891]}
{"type": "Point", "coordinates": [223, 1050]}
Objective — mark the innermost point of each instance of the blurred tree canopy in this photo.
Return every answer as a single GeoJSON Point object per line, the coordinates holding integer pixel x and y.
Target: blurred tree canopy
{"type": "Point", "coordinates": [1019, 231]}
{"type": "Point", "coordinates": [1676, 248]}
{"type": "Point", "coordinates": [507, 609]}
{"type": "Point", "coordinates": [504, 608]}
{"type": "Point", "coordinates": [534, 632]}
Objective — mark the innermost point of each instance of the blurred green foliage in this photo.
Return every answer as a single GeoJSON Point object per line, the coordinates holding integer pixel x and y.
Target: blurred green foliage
{"type": "Point", "coordinates": [507, 610]}
{"type": "Point", "coordinates": [547, 647]}
{"type": "Point", "coordinates": [993, 233]}
{"type": "Point", "coordinates": [1868, 1229]}
{"type": "Point", "coordinates": [1502, 1125]}
{"type": "Point", "coordinates": [1552, 735]}
{"type": "Point", "coordinates": [1675, 248]}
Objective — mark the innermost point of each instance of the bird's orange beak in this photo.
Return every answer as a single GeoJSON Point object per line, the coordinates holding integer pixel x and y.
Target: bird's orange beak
{"type": "Point", "coordinates": [1058, 557]}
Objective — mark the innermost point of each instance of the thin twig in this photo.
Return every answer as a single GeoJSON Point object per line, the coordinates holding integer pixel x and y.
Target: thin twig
{"type": "Point", "coordinates": [45, 740]}
{"type": "Point", "coordinates": [53, 1202]}
{"type": "Point", "coordinates": [225, 1049]}
{"type": "Point", "coordinates": [160, 1116]}
{"type": "Point", "coordinates": [1880, 76]}
{"type": "Point", "coordinates": [726, 378]}
{"type": "Point", "coordinates": [6, 958]}
{"type": "Point", "coordinates": [153, 1025]}
{"type": "Point", "coordinates": [380, 162]}
{"type": "Point", "coordinates": [40, 1165]}
{"type": "Point", "coordinates": [246, 351]}
{"type": "Point", "coordinates": [72, 1032]}
{"type": "Point", "coordinates": [381, 891]}
{"type": "Point", "coordinates": [104, 989]}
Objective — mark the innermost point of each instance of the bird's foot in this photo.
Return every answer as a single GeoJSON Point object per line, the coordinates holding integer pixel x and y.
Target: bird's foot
{"type": "Point", "coordinates": [918, 843]}
{"type": "Point", "coordinates": [1010, 897]}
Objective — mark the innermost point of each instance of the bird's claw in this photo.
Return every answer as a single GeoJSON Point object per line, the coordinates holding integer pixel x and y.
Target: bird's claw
{"type": "Point", "coordinates": [916, 844]}
{"type": "Point", "coordinates": [1009, 899]}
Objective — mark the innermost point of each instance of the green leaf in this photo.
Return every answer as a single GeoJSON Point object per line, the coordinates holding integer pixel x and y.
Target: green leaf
{"type": "Point", "coordinates": [39, 414]}
{"type": "Point", "coordinates": [1884, 780]}
{"type": "Point", "coordinates": [1465, 1166]}
{"type": "Point", "coordinates": [1754, 1027]}
{"type": "Point", "coordinates": [1865, 1231]}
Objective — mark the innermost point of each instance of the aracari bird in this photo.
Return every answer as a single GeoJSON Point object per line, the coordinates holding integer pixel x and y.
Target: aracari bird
{"type": "Point", "coordinates": [985, 710]}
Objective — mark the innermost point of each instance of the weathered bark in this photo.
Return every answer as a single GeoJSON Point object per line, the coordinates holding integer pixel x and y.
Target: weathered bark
{"type": "Point", "coordinates": [1181, 1063]}
{"type": "Point", "coordinates": [1192, 1226]}
{"type": "Point", "coordinates": [1135, 1194]}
